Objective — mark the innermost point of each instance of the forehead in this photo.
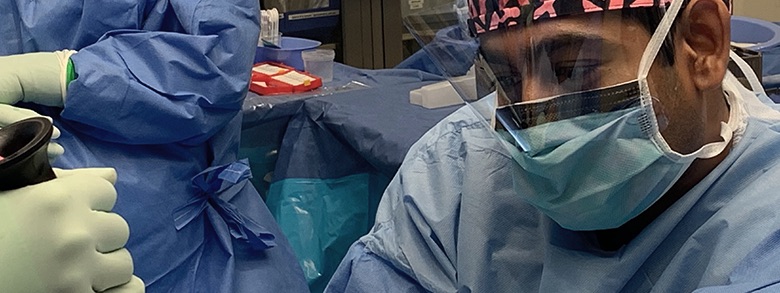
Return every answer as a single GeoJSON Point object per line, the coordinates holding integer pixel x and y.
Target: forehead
{"type": "Point", "coordinates": [609, 27]}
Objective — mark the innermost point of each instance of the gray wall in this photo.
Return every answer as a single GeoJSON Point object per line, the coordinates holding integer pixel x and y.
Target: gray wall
{"type": "Point", "coordinates": [761, 9]}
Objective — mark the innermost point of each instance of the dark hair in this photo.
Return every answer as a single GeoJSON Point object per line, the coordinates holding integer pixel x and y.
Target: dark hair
{"type": "Point", "coordinates": [650, 18]}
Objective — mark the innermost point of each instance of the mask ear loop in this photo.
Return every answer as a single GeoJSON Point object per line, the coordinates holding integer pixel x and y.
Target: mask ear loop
{"type": "Point", "coordinates": [749, 74]}
{"type": "Point", "coordinates": [651, 52]}
{"type": "Point", "coordinates": [650, 123]}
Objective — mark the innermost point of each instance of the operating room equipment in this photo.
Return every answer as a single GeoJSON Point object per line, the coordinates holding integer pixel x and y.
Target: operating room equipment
{"type": "Point", "coordinates": [11, 114]}
{"type": "Point", "coordinates": [317, 20]}
{"type": "Point", "coordinates": [23, 153]}
{"type": "Point", "coordinates": [269, 78]}
{"type": "Point", "coordinates": [288, 53]}
{"type": "Point", "coordinates": [759, 36]}
{"type": "Point", "coordinates": [444, 93]}
{"type": "Point", "coordinates": [319, 62]}
{"type": "Point", "coordinates": [269, 28]}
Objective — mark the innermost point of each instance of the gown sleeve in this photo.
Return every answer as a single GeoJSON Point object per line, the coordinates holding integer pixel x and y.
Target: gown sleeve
{"type": "Point", "coordinates": [179, 85]}
{"type": "Point", "coordinates": [362, 271]}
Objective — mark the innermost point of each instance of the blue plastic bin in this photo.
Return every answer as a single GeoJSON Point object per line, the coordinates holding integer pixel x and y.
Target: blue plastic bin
{"type": "Point", "coordinates": [762, 33]}
{"type": "Point", "coordinates": [766, 37]}
{"type": "Point", "coordinates": [289, 54]}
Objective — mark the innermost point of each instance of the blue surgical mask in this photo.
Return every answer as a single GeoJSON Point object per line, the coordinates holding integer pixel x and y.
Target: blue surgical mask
{"type": "Point", "coordinates": [598, 171]}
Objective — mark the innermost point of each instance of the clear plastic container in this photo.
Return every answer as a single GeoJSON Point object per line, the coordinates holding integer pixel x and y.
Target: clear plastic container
{"type": "Point", "coordinates": [319, 62]}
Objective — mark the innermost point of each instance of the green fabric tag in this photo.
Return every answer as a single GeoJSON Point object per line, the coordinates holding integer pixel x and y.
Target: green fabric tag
{"type": "Point", "coordinates": [70, 73]}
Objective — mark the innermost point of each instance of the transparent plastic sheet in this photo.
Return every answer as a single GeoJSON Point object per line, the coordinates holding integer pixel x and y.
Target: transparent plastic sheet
{"type": "Point", "coordinates": [256, 104]}
{"type": "Point", "coordinates": [439, 26]}
{"type": "Point", "coordinates": [328, 215]}
{"type": "Point", "coordinates": [538, 79]}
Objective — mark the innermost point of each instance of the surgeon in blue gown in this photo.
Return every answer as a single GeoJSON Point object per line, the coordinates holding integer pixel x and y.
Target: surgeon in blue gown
{"type": "Point", "coordinates": [569, 186]}
{"type": "Point", "coordinates": [153, 88]}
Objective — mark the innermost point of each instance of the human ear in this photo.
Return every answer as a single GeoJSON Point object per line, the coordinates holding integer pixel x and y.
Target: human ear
{"type": "Point", "coordinates": [705, 30]}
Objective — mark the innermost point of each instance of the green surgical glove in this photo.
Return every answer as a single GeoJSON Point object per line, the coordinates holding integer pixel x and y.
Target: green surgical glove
{"type": "Point", "coordinates": [11, 114]}
{"type": "Point", "coordinates": [39, 78]}
{"type": "Point", "coordinates": [60, 236]}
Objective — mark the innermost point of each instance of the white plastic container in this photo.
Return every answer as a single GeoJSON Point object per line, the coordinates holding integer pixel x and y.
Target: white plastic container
{"type": "Point", "coordinates": [319, 62]}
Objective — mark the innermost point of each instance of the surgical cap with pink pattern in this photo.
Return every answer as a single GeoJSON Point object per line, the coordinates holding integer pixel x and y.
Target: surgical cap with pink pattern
{"type": "Point", "coordinates": [488, 15]}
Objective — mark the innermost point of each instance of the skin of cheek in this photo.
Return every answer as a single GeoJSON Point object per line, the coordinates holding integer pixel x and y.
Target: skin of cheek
{"type": "Point", "coordinates": [684, 131]}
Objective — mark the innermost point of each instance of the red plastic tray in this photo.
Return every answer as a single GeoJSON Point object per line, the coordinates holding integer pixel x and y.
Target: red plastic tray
{"type": "Point", "coordinates": [270, 78]}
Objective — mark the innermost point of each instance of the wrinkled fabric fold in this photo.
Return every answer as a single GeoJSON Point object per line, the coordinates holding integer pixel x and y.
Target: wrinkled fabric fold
{"type": "Point", "coordinates": [217, 185]}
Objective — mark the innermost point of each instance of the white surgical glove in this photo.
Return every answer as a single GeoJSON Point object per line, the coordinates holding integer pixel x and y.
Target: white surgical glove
{"type": "Point", "coordinates": [39, 78]}
{"type": "Point", "coordinates": [59, 236]}
{"type": "Point", "coordinates": [11, 114]}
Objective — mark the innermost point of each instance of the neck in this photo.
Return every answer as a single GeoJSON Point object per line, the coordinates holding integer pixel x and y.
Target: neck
{"type": "Point", "coordinates": [715, 113]}
{"type": "Point", "coordinates": [613, 239]}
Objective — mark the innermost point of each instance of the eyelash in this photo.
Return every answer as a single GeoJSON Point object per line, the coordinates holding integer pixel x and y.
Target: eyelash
{"type": "Point", "coordinates": [569, 78]}
{"type": "Point", "coordinates": [565, 73]}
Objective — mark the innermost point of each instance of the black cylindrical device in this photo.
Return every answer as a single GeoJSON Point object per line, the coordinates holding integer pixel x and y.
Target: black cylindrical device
{"type": "Point", "coordinates": [23, 149]}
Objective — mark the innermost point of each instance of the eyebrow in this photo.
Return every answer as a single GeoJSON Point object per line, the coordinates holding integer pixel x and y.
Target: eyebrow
{"type": "Point", "coordinates": [555, 42]}
{"type": "Point", "coordinates": [566, 39]}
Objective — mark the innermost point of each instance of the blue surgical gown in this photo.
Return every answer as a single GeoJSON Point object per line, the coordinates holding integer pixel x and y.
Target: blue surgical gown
{"type": "Point", "coordinates": [159, 88]}
{"type": "Point", "coordinates": [451, 221]}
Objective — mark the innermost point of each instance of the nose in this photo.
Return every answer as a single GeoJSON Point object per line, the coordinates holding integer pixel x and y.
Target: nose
{"type": "Point", "coordinates": [535, 87]}
{"type": "Point", "coordinates": [539, 80]}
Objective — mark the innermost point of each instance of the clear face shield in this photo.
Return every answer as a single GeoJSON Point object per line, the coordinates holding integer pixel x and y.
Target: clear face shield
{"type": "Point", "coordinates": [542, 69]}
{"type": "Point", "coordinates": [565, 85]}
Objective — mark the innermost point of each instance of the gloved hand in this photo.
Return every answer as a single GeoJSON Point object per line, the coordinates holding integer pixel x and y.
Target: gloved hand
{"type": "Point", "coordinates": [58, 236]}
{"type": "Point", "coordinates": [39, 78]}
{"type": "Point", "coordinates": [11, 114]}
